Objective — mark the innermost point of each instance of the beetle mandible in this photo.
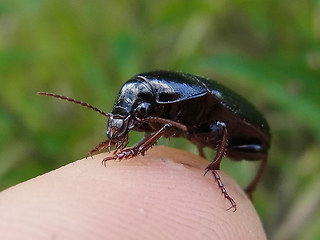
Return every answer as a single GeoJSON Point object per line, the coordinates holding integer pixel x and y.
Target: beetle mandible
{"type": "Point", "coordinates": [176, 104]}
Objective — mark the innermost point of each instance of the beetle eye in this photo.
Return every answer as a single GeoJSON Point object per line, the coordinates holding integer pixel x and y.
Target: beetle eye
{"type": "Point", "coordinates": [142, 110]}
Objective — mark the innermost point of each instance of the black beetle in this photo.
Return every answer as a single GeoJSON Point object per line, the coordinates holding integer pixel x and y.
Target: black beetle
{"type": "Point", "coordinates": [175, 104]}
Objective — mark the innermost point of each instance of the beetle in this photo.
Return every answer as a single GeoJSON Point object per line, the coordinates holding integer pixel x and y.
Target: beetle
{"type": "Point", "coordinates": [175, 104]}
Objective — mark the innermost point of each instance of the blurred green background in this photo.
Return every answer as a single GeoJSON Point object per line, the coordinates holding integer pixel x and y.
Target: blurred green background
{"type": "Point", "coordinates": [268, 51]}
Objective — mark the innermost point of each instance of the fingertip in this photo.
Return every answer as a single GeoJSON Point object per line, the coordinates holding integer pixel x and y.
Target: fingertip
{"type": "Point", "coordinates": [161, 195]}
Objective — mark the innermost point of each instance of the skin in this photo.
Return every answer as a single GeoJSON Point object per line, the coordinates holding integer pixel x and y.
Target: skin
{"type": "Point", "coordinates": [162, 195]}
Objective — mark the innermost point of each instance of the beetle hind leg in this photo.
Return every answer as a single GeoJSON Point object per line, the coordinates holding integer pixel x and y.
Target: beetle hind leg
{"type": "Point", "coordinates": [253, 184]}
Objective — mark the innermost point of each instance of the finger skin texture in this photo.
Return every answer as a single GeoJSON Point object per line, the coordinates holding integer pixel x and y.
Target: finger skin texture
{"type": "Point", "coordinates": [162, 195]}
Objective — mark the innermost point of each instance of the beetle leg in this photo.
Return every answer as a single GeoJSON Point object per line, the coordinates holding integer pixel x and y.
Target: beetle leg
{"type": "Point", "coordinates": [141, 147]}
{"type": "Point", "coordinates": [224, 191]}
{"type": "Point", "coordinates": [107, 144]}
{"type": "Point", "coordinates": [253, 184]}
{"type": "Point", "coordinates": [121, 144]}
{"type": "Point", "coordinates": [215, 164]}
{"type": "Point", "coordinates": [201, 152]}
{"type": "Point", "coordinates": [221, 149]}
{"type": "Point", "coordinates": [103, 145]}
{"type": "Point", "coordinates": [165, 121]}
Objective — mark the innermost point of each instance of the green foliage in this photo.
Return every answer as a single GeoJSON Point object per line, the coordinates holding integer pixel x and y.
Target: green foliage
{"type": "Point", "coordinates": [268, 51]}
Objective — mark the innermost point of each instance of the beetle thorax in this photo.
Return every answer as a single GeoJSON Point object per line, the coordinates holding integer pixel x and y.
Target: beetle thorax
{"type": "Point", "coordinates": [132, 104]}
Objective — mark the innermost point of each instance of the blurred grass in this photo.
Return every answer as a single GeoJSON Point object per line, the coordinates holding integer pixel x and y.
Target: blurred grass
{"type": "Point", "coordinates": [268, 51]}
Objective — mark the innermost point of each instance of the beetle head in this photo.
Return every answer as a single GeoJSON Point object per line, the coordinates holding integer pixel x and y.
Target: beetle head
{"type": "Point", "coordinates": [134, 102]}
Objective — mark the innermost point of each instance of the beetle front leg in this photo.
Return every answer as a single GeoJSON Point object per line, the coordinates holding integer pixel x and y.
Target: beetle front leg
{"type": "Point", "coordinates": [107, 144]}
{"type": "Point", "coordinates": [215, 164]}
{"type": "Point", "coordinates": [101, 146]}
{"type": "Point", "coordinates": [141, 147]}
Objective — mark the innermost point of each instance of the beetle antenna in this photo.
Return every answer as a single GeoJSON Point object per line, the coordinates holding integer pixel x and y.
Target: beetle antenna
{"type": "Point", "coordinates": [75, 101]}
